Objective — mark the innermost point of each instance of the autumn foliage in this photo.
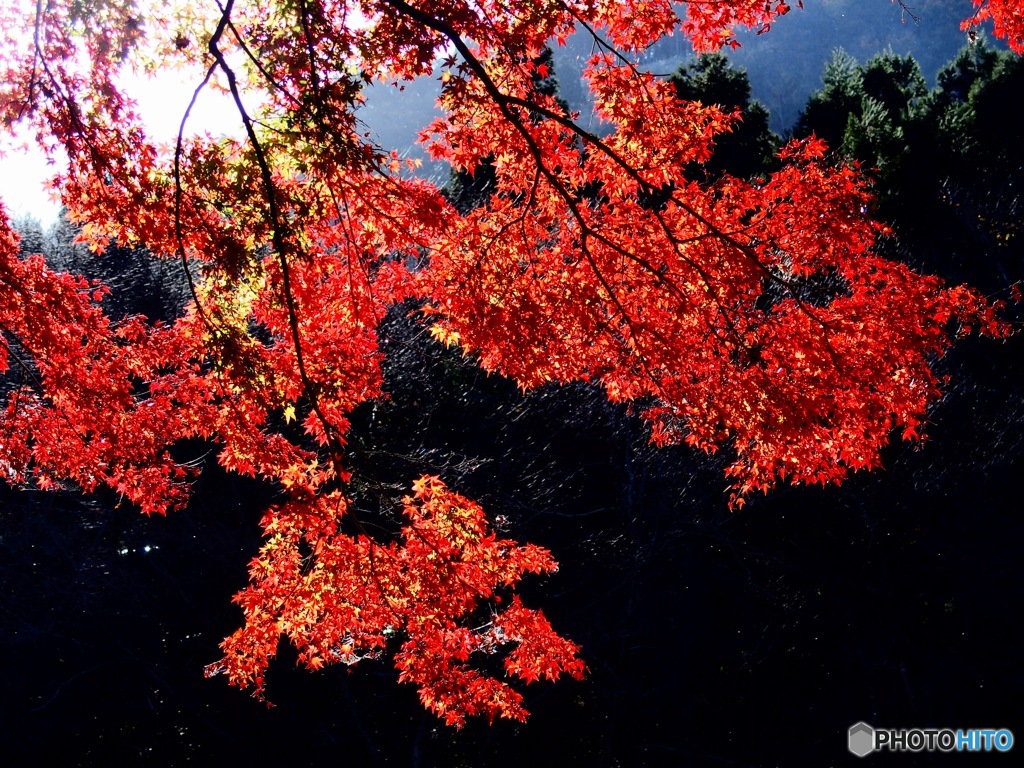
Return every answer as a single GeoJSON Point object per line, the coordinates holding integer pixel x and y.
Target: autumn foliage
{"type": "Point", "coordinates": [750, 314]}
{"type": "Point", "coordinates": [1007, 19]}
{"type": "Point", "coordinates": [341, 598]}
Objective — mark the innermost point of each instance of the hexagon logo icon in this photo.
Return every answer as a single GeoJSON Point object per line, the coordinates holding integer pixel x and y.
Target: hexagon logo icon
{"type": "Point", "coordinates": [862, 739]}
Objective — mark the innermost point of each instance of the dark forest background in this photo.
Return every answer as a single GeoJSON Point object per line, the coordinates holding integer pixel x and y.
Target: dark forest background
{"type": "Point", "coordinates": [712, 637]}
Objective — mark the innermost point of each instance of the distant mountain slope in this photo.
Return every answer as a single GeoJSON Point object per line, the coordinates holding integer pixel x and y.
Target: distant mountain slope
{"type": "Point", "coordinates": [784, 65]}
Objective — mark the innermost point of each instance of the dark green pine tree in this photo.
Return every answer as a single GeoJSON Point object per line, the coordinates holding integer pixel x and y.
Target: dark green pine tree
{"type": "Point", "coordinates": [139, 283]}
{"type": "Point", "coordinates": [749, 149]}
{"type": "Point", "coordinates": [977, 108]}
{"type": "Point", "coordinates": [33, 238]}
{"type": "Point", "coordinates": [872, 113]}
{"type": "Point", "coordinates": [947, 164]}
{"type": "Point", "coordinates": [829, 109]}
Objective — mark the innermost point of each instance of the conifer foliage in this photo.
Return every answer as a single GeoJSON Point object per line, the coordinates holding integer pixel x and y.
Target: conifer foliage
{"type": "Point", "coordinates": [594, 259]}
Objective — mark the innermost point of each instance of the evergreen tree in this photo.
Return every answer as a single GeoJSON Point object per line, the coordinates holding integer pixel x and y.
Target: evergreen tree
{"type": "Point", "coordinates": [138, 282]}
{"type": "Point", "coordinates": [947, 163]}
{"type": "Point", "coordinates": [749, 148]}
{"type": "Point", "coordinates": [840, 96]}
{"type": "Point", "coordinates": [867, 112]}
{"type": "Point", "coordinates": [973, 63]}
{"type": "Point", "coordinates": [33, 239]}
{"type": "Point", "coordinates": [895, 82]}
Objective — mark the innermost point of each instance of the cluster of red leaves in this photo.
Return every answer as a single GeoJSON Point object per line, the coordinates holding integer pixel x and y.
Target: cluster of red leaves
{"type": "Point", "coordinates": [341, 599]}
{"type": "Point", "coordinates": [696, 304]}
{"type": "Point", "coordinates": [1007, 17]}
{"type": "Point", "coordinates": [710, 25]}
{"type": "Point", "coordinates": [594, 260]}
{"type": "Point", "coordinates": [74, 411]}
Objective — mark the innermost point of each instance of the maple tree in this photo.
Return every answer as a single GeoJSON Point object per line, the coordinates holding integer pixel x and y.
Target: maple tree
{"type": "Point", "coordinates": [1007, 19]}
{"type": "Point", "coordinates": [750, 314]}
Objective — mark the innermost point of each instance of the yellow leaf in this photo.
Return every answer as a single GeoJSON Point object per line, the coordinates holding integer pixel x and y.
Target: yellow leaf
{"type": "Point", "coordinates": [446, 336]}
